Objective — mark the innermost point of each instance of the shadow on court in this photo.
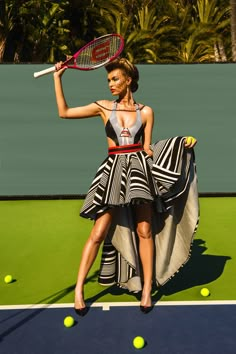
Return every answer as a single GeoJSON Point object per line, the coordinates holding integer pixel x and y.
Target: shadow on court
{"type": "Point", "coordinates": [200, 269]}
{"type": "Point", "coordinates": [25, 315]}
{"type": "Point", "coordinates": [17, 318]}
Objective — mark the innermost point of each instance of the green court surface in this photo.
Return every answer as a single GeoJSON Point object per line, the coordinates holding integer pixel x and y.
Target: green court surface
{"type": "Point", "coordinates": [41, 243]}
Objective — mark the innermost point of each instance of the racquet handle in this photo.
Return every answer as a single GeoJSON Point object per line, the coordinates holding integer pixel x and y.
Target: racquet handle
{"type": "Point", "coordinates": [44, 72]}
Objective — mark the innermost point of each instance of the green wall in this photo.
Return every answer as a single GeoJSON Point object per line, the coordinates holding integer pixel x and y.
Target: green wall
{"type": "Point", "coordinates": [41, 154]}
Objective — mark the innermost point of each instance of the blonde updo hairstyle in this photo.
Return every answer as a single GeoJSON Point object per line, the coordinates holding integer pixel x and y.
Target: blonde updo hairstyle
{"type": "Point", "coordinates": [128, 69]}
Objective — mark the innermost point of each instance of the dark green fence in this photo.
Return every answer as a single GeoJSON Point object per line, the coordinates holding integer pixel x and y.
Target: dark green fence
{"type": "Point", "coordinates": [41, 154]}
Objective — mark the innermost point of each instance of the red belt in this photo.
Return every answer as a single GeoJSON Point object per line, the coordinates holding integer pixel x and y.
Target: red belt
{"type": "Point", "coordinates": [124, 149]}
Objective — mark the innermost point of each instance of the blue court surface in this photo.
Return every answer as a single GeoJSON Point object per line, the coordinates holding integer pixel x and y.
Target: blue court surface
{"type": "Point", "coordinates": [176, 329]}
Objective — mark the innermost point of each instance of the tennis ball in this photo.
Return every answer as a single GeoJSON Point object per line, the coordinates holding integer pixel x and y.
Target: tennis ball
{"type": "Point", "coordinates": [69, 321]}
{"type": "Point", "coordinates": [189, 140]}
{"type": "Point", "coordinates": [205, 292]}
{"type": "Point", "coordinates": [138, 342]}
{"type": "Point", "coordinates": [8, 279]}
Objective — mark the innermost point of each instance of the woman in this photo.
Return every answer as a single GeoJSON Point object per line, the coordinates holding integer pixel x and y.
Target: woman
{"type": "Point", "coordinates": [128, 128]}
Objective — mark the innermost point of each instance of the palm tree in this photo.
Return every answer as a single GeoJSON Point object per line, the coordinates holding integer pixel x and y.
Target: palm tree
{"type": "Point", "coordinates": [154, 31]}
{"type": "Point", "coordinates": [180, 14]}
{"type": "Point", "coordinates": [203, 36]}
{"type": "Point", "coordinates": [196, 49]}
{"type": "Point", "coordinates": [216, 20]}
{"type": "Point", "coordinates": [8, 16]}
{"type": "Point", "coordinates": [110, 16]}
{"type": "Point", "coordinates": [45, 29]}
{"type": "Point", "coordinates": [139, 22]}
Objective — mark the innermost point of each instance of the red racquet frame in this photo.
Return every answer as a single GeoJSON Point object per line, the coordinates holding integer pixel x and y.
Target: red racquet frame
{"type": "Point", "coordinates": [93, 55]}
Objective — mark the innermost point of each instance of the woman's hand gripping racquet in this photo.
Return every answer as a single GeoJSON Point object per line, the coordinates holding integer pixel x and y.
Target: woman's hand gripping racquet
{"type": "Point", "coordinates": [93, 55]}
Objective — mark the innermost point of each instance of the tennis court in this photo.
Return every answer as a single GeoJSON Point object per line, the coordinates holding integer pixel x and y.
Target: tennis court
{"type": "Point", "coordinates": [41, 250]}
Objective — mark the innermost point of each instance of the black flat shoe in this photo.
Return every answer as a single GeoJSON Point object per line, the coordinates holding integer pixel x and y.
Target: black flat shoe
{"type": "Point", "coordinates": [146, 309]}
{"type": "Point", "coordinates": [82, 312]}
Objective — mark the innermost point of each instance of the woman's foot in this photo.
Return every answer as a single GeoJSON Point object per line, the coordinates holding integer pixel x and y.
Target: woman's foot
{"type": "Point", "coordinates": [146, 302]}
{"type": "Point", "coordinates": [80, 308]}
{"type": "Point", "coordinates": [81, 312]}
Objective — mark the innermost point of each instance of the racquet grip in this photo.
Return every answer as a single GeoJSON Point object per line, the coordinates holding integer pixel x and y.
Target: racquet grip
{"type": "Point", "coordinates": [44, 72]}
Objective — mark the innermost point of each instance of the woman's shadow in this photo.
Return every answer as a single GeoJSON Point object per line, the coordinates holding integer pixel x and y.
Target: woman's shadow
{"type": "Point", "coordinates": [200, 269]}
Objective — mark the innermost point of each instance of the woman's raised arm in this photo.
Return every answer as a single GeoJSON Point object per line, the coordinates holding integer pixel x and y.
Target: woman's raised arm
{"type": "Point", "coordinates": [91, 110]}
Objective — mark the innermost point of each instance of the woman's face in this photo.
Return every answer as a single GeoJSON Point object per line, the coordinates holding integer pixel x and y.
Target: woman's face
{"type": "Point", "coordinates": [118, 82]}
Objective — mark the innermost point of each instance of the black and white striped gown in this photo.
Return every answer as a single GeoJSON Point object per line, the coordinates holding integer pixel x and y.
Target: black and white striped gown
{"type": "Point", "coordinates": [169, 180]}
{"type": "Point", "coordinates": [122, 178]}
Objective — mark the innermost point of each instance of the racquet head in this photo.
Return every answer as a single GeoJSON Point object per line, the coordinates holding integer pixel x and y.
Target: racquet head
{"type": "Point", "coordinates": [96, 53]}
{"type": "Point", "coordinates": [93, 55]}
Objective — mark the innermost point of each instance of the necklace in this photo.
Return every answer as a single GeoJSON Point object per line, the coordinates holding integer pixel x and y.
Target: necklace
{"type": "Point", "coordinates": [132, 109]}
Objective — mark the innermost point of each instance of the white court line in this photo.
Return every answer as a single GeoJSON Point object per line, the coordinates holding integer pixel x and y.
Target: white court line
{"type": "Point", "coordinates": [107, 305]}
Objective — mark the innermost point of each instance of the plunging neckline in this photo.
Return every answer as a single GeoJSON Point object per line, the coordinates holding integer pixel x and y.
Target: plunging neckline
{"type": "Point", "coordinates": [123, 127]}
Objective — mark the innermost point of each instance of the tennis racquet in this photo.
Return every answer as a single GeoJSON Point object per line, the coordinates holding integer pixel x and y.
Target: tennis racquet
{"type": "Point", "coordinates": [93, 55]}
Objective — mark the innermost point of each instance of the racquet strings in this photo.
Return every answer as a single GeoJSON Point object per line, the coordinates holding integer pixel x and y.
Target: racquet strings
{"type": "Point", "coordinates": [99, 51]}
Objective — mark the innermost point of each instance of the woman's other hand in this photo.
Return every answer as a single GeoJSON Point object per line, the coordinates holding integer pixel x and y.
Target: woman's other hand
{"type": "Point", "coordinates": [149, 152]}
{"type": "Point", "coordinates": [190, 142]}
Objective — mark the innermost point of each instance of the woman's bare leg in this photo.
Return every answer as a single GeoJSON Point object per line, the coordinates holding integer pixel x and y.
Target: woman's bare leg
{"type": "Point", "coordinates": [90, 251]}
{"type": "Point", "coordinates": [146, 249]}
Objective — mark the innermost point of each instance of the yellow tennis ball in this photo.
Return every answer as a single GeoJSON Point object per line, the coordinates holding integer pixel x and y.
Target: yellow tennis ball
{"type": "Point", "coordinates": [189, 140]}
{"type": "Point", "coordinates": [138, 342]}
{"type": "Point", "coordinates": [205, 292]}
{"type": "Point", "coordinates": [8, 279]}
{"type": "Point", "coordinates": [69, 321]}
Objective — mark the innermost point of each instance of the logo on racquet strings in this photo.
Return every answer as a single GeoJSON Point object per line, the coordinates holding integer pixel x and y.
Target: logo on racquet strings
{"type": "Point", "coordinates": [101, 51]}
